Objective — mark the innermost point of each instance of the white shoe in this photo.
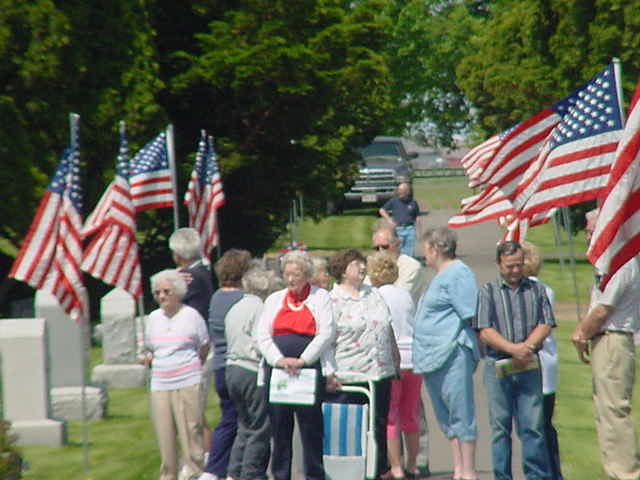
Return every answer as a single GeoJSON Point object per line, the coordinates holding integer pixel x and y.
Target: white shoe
{"type": "Point", "coordinates": [184, 474]}
{"type": "Point", "coordinates": [208, 476]}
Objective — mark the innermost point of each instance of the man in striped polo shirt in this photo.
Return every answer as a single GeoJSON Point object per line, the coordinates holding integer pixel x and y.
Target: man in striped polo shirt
{"type": "Point", "coordinates": [513, 318]}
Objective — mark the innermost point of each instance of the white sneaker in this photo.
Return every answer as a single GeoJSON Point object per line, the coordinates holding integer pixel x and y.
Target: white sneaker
{"type": "Point", "coordinates": [184, 474]}
{"type": "Point", "coordinates": [208, 476]}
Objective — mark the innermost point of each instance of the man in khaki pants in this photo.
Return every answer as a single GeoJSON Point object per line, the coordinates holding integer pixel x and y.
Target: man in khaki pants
{"type": "Point", "coordinates": [604, 338]}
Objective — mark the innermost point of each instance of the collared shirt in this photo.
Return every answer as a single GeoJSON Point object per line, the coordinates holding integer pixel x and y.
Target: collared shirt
{"type": "Point", "coordinates": [403, 211]}
{"type": "Point", "coordinates": [512, 312]}
{"type": "Point", "coordinates": [623, 294]}
{"type": "Point", "coordinates": [443, 317]}
{"type": "Point", "coordinates": [363, 334]}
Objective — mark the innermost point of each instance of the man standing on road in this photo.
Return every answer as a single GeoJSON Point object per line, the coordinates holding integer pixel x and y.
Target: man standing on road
{"type": "Point", "coordinates": [513, 318]}
{"type": "Point", "coordinates": [609, 325]}
{"type": "Point", "coordinates": [402, 212]}
{"type": "Point", "coordinates": [410, 273]}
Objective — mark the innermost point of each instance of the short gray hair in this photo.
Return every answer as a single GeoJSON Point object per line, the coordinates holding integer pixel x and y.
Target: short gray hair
{"type": "Point", "coordinates": [442, 239]}
{"type": "Point", "coordinates": [301, 258]}
{"type": "Point", "coordinates": [260, 282]}
{"type": "Point", "coordinates": [186, 243]}
{"type": "Point", "coordinates": [174, 278]}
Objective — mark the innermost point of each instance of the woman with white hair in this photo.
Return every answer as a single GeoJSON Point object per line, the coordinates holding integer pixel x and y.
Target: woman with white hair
{"type": "Point", "coordinates": [296, 330]}
{"type": "Point", "coordinates": [445, 348]}
{"type": "Point", "coordinates": [176, 344]}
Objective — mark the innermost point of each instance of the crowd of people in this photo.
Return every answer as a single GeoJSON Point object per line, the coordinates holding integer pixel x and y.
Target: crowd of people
{"type": "Point", "coordinates": [354, 319]}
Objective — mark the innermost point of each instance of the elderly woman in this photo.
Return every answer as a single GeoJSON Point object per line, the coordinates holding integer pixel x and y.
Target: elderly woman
{"type": "Point", "coordinates": [176, 344]}
{"type": "Point", "coordinates": [296, 330]}
{"type": "Point", "coordinates": [365, 342]}
{"type": "Point", "coordinates": [321, 277]}
{"type": "Point", "coordinates": [445, 348]}
{"type": "Point", "coordinates": [404, 408]}
{"type": "Point", "coordinates": [251, 448]}
{"type": "Point", "coordinates": [229, 269]}
{"type": "Point", "coordinates": [548, 363]}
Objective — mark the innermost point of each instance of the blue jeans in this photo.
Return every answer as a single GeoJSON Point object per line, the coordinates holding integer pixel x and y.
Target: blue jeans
{"type": "Point", "coordinates": [517, 396]}
{"type": "Point", "coordinates": [223, 436]}
{"type": "Point", "coordinates": [407, 237]}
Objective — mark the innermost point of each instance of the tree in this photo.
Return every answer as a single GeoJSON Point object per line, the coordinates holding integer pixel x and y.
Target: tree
{"type": "Point", "coordinates": [287, 89]}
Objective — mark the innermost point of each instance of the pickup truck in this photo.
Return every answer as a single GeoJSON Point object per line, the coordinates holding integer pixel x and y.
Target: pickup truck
{"type": "Point", "coordinates": [385, 164]}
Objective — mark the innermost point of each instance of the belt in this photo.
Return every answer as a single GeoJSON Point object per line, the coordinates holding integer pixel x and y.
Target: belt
{"type": "Point", "coordinates": [612, 332]}
{"type": "Point", "coordinates": [406, 225]}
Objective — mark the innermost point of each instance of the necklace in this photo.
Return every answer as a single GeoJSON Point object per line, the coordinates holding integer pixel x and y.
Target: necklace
{"type": "Point", "coordinates": [296, 308]}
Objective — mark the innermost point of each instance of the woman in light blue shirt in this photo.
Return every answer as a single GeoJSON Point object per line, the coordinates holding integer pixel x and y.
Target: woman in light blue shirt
{"type": "Point", "coordinates": [445, 348]}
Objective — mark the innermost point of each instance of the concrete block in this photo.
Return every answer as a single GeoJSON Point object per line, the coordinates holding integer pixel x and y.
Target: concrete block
{"type": "Point", "coordinates": [40, 432]}
{"type": "Point", "coordinates": [120, 376]}
{"type": "Point", "coordinates": [66, 403]}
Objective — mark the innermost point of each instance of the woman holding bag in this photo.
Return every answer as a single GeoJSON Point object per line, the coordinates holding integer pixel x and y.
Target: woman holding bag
{"type": "Point", "coordinates": [445, 348]}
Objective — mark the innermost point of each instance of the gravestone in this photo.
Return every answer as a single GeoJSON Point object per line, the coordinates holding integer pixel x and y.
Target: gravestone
{"type": "Point", "coordinates": [25, 386]}
{"type": "Point", "coordinates": [119, 343]}
{"type": "Point", "coordinates": [67, 348]}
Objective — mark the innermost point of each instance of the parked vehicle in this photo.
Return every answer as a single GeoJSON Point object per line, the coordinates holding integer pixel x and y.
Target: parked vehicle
{"type": "Point", "coordinates": [385, 164]}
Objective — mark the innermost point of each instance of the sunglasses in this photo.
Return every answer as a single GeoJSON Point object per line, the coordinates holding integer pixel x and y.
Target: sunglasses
{"type": "Point", "coordinates": [381, 247]}
{"type": "Point", "coordinates": [166, 291]}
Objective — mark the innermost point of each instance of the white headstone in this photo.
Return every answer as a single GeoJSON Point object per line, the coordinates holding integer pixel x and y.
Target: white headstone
{"type": "Point", "coordinates": [65, 348]}
{"type": "Point", "coordinates": [118, 309]}
{"type": "Point", "coordinates": [25, 386]}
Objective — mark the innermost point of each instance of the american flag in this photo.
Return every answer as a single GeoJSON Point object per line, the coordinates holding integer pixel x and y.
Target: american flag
{"type": "Point", "coordinates": [616, 238]}
{"type": "Point", "coordinates": [112, 255]}
{"type": "Point", "coordinates": [51, 253]}
{"type": "Point", "coordinates": [558, 157]}
{"type": "Point", "coordinates": [575, 161]}
{"type": "Point", "coordinates": [204, 194]}
{"type": "Point", "coordinates": [478, 157]}
{"type": "Point", "coordinates": [150, 176]}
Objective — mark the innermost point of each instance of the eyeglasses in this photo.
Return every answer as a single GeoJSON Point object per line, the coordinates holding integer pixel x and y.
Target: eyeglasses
{"type": "Point", "coordinates": [381, 247]}
{"type": "Point", "coordinates": [166, 291]}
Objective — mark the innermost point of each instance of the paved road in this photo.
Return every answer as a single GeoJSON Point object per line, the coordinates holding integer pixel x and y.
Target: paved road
{"type": "Point", "coordinates": [476, 247]}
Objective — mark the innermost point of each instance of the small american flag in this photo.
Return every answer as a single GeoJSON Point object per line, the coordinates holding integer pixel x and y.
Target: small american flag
{"type": "Point", "coordinates": [205, 194]}
{"type": "Point", "coordinates": [112, 255]}
{"type": "Point", "coordinates": [616, 238]}
{"type": "Point", "coordinates": [150, 176]}
{"type": "Point", "coordinates": [51, 253]}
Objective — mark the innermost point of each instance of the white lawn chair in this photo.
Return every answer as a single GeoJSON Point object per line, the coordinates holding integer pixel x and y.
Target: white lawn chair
{"type": "Point", "coordinates": [350, 450]}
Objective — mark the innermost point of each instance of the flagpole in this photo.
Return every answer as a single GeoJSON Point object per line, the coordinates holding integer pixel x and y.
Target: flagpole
{"type": "Point", "coordinates": [567, 224]}
{"type": "Point", "coordinates": [74, 140]}
{"type": "Point", "coordinates": [617, 71]}
{"type": "Point", "coordinates": [558, 241]}
{"type": "Point", "coordinates": [172, 166]}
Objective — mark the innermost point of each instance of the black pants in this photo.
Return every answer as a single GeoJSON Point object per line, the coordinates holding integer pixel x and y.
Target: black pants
{"type": "Point", "coordinates": [551, 436]}
{"type": "Point", "coordinates": [309, 420]}
{"type": "Point", "coordinates": [382, 398]}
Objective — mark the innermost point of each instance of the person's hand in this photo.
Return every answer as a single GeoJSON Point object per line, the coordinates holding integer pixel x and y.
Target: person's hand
{"type": "Point", "coordinates": [291, 365]}
{"type": "Point", "coordinates": [145, 359]}
{"type": "Point", "coordinates": [521, 353]}
{"type": "Point", "coordinates": [581, 344]}
{"type": "Point", "coordinates": [187, 277]}
{"type": "Point", "coordinates": [332, 383]}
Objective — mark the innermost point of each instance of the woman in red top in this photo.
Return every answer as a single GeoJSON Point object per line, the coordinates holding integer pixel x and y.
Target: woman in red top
{"type": "Point", "coordinates": [296, 330]}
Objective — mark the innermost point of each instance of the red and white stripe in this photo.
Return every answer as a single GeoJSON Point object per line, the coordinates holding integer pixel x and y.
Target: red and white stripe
{"type": "Point", "coordinates": [152, 190]}
{"type": "Point", "coordinates": [51, 254]}
{"type": "Point", "coordinates": [112, 256]}
{"type": "Point", "coordinates": [616, 238]}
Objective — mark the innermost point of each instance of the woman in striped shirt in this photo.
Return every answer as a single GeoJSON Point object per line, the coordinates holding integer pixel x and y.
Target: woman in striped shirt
{"type": "Point", "coordinates": [176, 344]}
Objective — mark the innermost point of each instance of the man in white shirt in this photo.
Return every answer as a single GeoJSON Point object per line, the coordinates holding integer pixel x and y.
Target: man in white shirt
{"type": "Point", "coordinates": [604, 338]}
{"type": "Point", "coordinates": [410, 273]}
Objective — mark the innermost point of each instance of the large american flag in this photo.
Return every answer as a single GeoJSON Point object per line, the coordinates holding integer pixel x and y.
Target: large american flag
{"type": "Point", "coordinates": [150, 176]}
{"type": "Point", "coordinates": [204, 194]}
{"type": "Point", "coordinates": [558, 157]}
{"type": "Point", "coordinates": [112, 255]}
{"type": "Point", "coordinates": [616, 238]}
{"type": "Point", "coordinates": [575, 161]}
{"type": "Point", "coordinates": [51, 253]}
